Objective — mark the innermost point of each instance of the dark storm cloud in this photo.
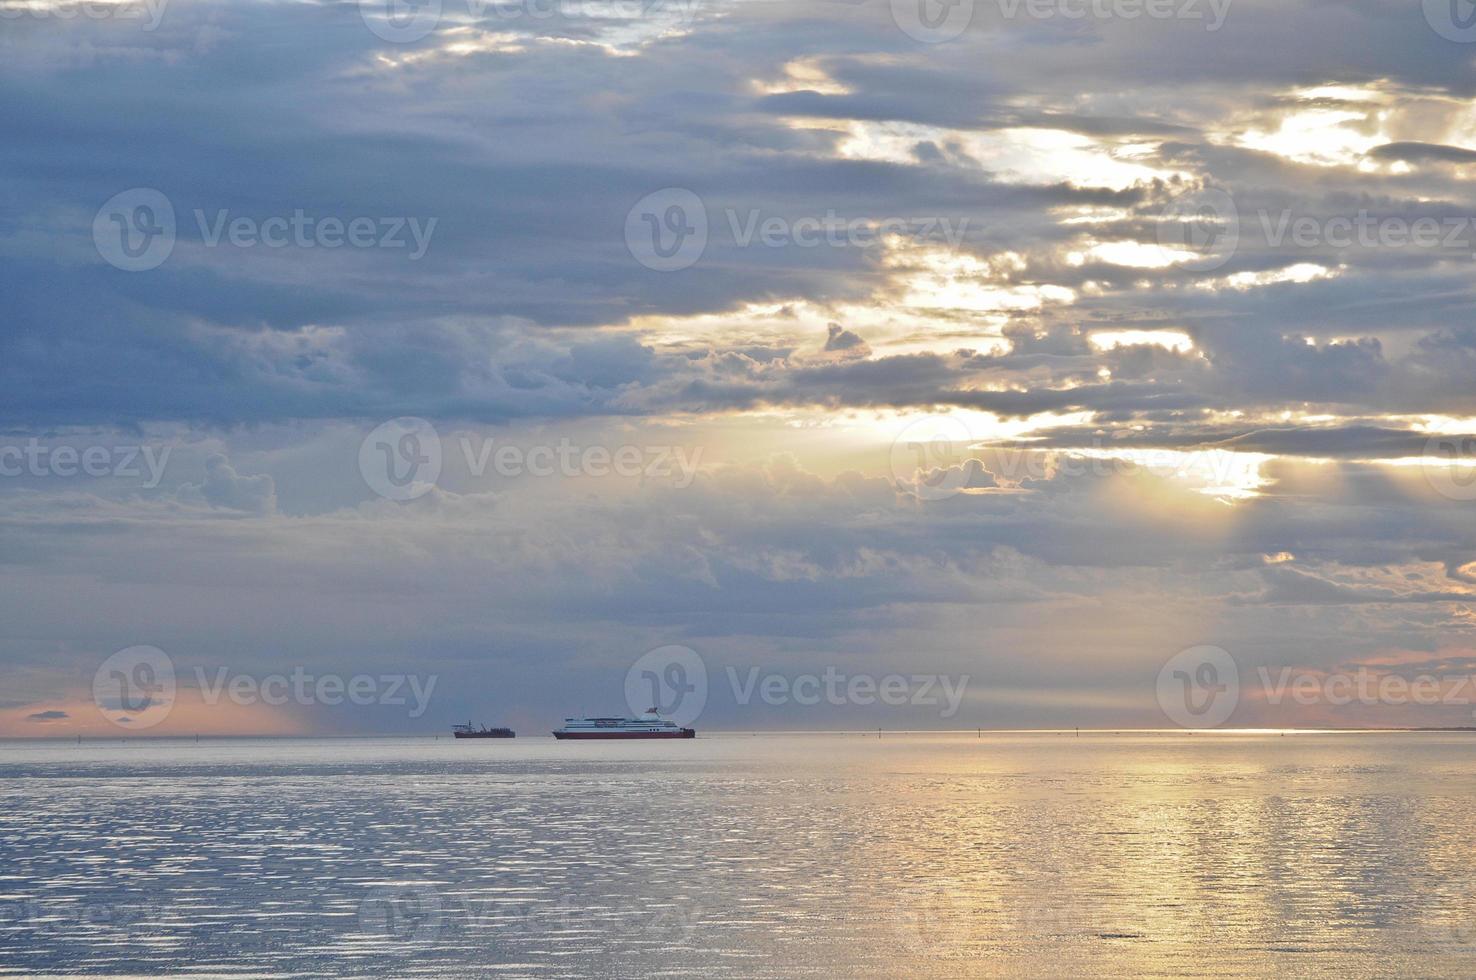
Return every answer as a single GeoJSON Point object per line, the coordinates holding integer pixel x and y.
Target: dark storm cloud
{"type": "Point", "coordinates": [1423, 152]}
{"type": "Point", "coordinates": [529, 220]}
{"type": "Point", "coordinates": [527, 224]}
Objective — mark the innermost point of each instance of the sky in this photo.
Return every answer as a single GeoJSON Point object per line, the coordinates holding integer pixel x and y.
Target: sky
{"type": "Point", "coordinates": [819, 364]}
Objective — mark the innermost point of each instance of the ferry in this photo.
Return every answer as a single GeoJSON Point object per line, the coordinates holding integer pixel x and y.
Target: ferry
{"type": "Point", "coordinates": [648, 725]}
{"type": "Point", "coordinates": [467, 731]}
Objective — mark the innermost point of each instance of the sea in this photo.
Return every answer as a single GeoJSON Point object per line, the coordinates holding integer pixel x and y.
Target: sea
{"type": "Point", "coordinates": [1140, 854]}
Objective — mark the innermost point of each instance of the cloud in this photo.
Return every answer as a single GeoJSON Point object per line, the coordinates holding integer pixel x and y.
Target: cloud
{"type": "Point", "coordinates": [52, 715]}
{"type": "Point", "coordinates": [223, 488]}
{"type": "Point", "coordinates": [1023, 172]}
{"type": "Point", "coordinates": [841, 339]}
{"type": "Point", "coordinates": [1423, 152]}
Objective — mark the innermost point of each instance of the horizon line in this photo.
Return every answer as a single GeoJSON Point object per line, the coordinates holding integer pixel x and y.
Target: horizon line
{"type": "Point", "coordinates": [759, 733]}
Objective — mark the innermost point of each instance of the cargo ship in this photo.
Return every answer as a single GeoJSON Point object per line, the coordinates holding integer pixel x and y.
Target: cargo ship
{"type": "Point", "coordinates": [648, 725]}
{"type": "Point", "coordinates": [467, 731]}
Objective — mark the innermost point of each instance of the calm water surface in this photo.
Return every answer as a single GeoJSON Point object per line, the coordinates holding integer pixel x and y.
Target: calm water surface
{"type": "Point", "coordinates": [775, 856]}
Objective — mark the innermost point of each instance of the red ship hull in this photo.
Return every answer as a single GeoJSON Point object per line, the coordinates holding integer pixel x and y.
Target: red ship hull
{"type": "Point", "coordinates": [608, 736]}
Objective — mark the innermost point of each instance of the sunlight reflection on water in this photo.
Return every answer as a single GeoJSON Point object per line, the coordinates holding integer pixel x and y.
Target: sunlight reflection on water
{"type": "Point", "coordinates": [931, 856]}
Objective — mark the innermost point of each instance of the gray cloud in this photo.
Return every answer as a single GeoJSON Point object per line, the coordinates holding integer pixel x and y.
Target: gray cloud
{"type": "Point", "coordinates": [223, 487]}
{"type": "Point", "coordinates": [1053, 147]}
